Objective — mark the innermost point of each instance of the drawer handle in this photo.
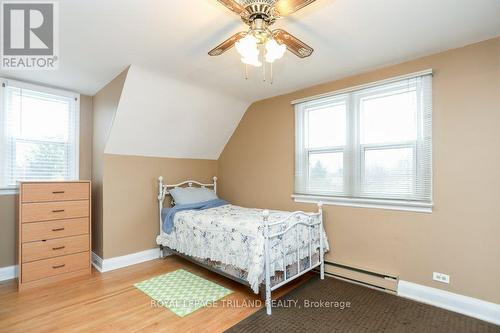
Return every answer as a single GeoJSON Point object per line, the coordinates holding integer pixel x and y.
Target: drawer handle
{"type": "Point", "coordinates": [58, 248]}
{"type": "Point", "coordinates": [58, 229]}
{"type": "Point", "coordinates": [58, 266]}
{"type": "Point", "coordinates": [58, 192]}
{"type": "Point", "coordinates": [58, 211]}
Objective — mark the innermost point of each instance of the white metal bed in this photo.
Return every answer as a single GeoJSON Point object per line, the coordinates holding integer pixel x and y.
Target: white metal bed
{"type": "Point", "coordinates": [284, 226]}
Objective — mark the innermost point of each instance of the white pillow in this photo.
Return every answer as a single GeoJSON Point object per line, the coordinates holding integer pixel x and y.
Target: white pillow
{"type": "Point", "coordinates": [191, 195]}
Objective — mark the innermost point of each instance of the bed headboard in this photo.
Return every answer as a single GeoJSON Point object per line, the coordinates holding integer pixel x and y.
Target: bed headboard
{"type": "Point", "coordinates": [163, 189]}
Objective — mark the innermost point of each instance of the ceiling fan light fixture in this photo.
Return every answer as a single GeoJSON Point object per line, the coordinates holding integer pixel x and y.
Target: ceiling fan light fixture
{"type": "Point", "coordinates": [274, 50]}
{"type": "Point", "coordinates": [260, 45]}
{"type": "Point", "coordinates": [247, 47]}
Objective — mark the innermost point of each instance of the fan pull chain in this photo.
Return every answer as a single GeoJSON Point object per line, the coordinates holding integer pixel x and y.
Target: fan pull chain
{"type": "Point", "coordinates": [262, 51]}
{"type": "Point", "coordinates": [271, 73]}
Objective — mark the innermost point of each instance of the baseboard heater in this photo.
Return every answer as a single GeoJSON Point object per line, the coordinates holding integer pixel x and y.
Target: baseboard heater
{"type": "Point", "coordinates": [377, 280]}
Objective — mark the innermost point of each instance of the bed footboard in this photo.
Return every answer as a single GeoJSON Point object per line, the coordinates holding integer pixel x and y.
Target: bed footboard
{"type": "Point", "coordinates": [312, 220]}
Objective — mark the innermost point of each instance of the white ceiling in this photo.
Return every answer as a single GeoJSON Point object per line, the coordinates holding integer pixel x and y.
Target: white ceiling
{"type": "Point", "coordinates": [171, 37]}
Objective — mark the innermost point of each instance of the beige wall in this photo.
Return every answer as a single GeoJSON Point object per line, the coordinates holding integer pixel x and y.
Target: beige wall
{"type": "Point", "coordinates": [130, 191]}
{"type": "Point", "coordinates": [8, 202]}
{"type": "Point", "coordinates": [105, 104]}
{"type": "Point", "coordinates": [125, 207]}
{"type": "Point", "coordinates": [461, 236]}
{"type": "Point", "coordinates": [8, 230]}
{"type": "Point", "coordinates": [86, 133]}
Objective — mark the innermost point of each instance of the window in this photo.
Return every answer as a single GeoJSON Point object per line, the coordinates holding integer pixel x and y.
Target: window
{"type": "Point", "coordinates": [38, 134]}
{"type": "Point", "coordinates": [367, 146]}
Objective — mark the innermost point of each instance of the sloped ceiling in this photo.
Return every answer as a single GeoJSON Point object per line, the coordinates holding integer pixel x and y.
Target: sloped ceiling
{"type": "Point", "coordinates": [99, 39]}
{"type": "Point", "coordinates": [179, 102]}
{"type": "Point", "coordinates": [164, 117]}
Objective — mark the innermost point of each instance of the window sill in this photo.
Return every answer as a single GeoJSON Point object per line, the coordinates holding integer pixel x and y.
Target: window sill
{"type": "Point", "coordinates": [409, 206]}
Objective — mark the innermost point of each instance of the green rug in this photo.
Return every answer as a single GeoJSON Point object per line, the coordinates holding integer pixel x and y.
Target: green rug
{"type": "Point", "coordinates": [182, 292]}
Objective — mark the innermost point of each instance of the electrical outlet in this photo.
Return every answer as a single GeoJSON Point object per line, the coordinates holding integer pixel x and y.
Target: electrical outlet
{"type": "Point", "coordinates": [440, 277]}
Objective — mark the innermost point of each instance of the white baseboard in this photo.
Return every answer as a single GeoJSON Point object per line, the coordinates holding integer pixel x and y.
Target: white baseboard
{"type": "Point", "coordinates": [105, 265]}
{"type": "Point", "coordinates": [97, 262]}
{"type": "Point", "coordinates": [8, 272]}
{"type": "Point", "coordinates": [469, 306]}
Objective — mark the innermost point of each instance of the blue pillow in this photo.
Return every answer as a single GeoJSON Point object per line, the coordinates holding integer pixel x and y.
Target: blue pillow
{"type": "Point", "coordinates": [191, 195]}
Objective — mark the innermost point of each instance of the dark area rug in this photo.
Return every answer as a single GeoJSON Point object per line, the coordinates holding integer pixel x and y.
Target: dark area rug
{"type": "Point", "coordinates": [368, 310]}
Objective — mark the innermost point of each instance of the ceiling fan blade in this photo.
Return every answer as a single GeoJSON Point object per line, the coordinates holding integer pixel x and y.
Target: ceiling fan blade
{"type": "Point", "coordinates": [286, 7]}
{"type": "Point", "coordinates": [233, 5]}
{"type": "Point", "coordinates": [227, 44]}
{"type": "Point", "coordinates": [293, 44]}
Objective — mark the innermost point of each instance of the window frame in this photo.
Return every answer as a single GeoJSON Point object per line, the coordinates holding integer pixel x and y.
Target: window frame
{"type": "Point", "coordinates": [303, 163]}
{"type": "Point", "coordinates": [354, 159]}
{"type": "Point", "coordinates": [4, 82]}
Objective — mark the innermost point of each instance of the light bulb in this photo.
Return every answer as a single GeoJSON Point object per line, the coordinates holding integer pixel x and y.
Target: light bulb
{"type": "Point", "coordinates": [247, 48]}
{"type": "Point", "coordinates": [274, 50]}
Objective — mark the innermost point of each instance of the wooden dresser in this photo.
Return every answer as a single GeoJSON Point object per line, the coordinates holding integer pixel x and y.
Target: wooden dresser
{"type": "Point", "coordinates": [54, 231]}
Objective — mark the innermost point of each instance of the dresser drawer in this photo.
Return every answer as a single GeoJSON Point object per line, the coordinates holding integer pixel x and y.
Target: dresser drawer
{"type": "Point", "coordinates": [54, 229]}
{"type": "Point", "coordinates": [33, 212]}
{"type": "Point", "coordinates": [54, 247]}
{"type": "Point", "coordinates": [40, 269]}
{"type": "Point", "coordinates": [42, 192]}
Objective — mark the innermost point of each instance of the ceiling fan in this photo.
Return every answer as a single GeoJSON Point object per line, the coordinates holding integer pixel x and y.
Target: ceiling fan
{"type": "Point", "coordinates": [259, 44]}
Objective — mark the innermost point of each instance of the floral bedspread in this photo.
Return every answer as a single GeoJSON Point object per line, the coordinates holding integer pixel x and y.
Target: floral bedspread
{"type": "Point", "coordinates": [233, 235]}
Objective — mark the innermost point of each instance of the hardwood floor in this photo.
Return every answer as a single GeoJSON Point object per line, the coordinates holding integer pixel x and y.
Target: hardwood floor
{"type": "Point", "coordinates": [109, 302]}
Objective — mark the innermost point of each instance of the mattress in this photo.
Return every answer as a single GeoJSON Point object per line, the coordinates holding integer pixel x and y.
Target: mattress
{"type": "Point", "coordinates": [233, 236]}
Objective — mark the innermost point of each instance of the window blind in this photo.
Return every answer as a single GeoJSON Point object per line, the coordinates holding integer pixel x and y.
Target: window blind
{"type": "Point", "coordinates": [373, 142]}
{"type": "Point", "coordinates": [39, 135]}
